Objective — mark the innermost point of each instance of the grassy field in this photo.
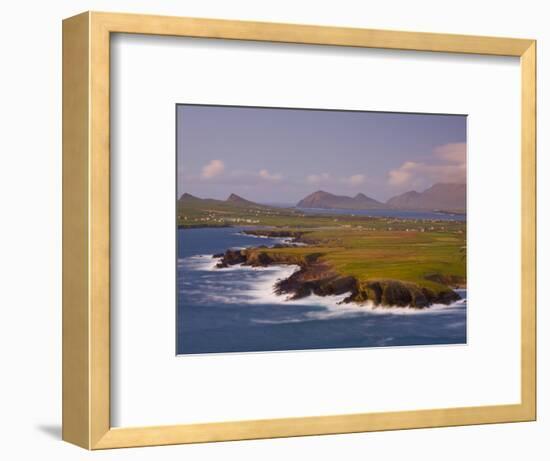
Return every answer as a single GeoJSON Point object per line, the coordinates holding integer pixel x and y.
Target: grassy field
{"type": "Point", "coordinates": [428, 253]}
{"type": "Point", "coordinates": [206, 213]}
{"type": "Point", "coordinates": [428, 259]}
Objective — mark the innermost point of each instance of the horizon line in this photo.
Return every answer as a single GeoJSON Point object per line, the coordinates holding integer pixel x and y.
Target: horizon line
{"type": "Point", "coordinates": [323, 191]}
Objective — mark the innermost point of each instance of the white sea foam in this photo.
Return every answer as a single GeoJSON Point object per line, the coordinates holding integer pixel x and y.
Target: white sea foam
{"type": "Point", "coordinates": [332, 308]}
{"type": "Point", "coordinates": [407, 310]}
{"type": "Point", "coordinates": [281, 240]}
{"type": "Point", "coordinates": [208, 263]}
{"type": "Point", "coordinates": [257, 286]}
{"type": "Point", "coordinates": [244, 234]}
{"type": "Point", "coordinates": [262, 291]}
{"type": "Point", "coordinates": [198, 262]}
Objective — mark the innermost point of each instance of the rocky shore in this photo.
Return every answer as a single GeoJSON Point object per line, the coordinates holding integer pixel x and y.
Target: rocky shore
{"type": "Point", "coordinates": [296, 236]}
{"type": "Point", "coordinates": [317, 277]}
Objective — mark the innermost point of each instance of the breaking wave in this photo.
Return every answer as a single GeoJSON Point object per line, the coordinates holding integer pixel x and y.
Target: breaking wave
{"type": "Point", "coordinates": [245, 285]}
{"type": "Point", "coordinates": [280, 240]}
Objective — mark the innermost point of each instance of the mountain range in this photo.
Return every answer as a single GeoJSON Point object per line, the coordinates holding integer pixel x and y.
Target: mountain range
{"type": "Point", "coordinates": [322, 199]}
{"type": "Point", "coordinates": [233, 199]}
{"type": "Point", "coordinates": [440, 196]}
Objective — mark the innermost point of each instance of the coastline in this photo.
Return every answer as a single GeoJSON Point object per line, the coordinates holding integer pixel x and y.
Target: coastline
{"type": "Point", "coordinates": [203, 226]}
{"type": "Point", "coordinates": [316, 277]}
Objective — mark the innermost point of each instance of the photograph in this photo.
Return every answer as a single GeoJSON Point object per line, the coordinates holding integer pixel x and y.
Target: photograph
{"type": "Point", "coordinates": [246, 230]}
{"type": "Point", "coordinates": [302, 229]}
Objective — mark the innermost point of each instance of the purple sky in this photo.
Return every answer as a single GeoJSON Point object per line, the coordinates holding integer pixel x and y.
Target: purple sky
{"type": "Point", "coordinates": [281, 155]}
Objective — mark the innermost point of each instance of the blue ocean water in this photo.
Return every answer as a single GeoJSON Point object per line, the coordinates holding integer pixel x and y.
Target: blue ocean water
{"type": "Point", "coordinates": [235, 309]}
{"type": "Point", "coordinates": [389, 213]}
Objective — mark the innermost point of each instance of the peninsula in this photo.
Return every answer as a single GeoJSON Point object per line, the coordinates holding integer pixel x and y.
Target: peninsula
{"type": "Point", "coordinates": [383, 261]}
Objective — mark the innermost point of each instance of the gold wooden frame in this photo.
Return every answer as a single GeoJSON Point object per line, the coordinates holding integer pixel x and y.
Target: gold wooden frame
{"type": "Point", "coordinates": [86, 393]}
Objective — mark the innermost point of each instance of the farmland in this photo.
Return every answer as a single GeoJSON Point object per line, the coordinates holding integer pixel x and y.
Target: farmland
{"type": "Point", "coordinates": [417, 261]}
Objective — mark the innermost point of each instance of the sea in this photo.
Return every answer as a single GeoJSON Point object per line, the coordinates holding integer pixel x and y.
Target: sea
{"type": "Point", "coordinates": [235, 309]}
{"type": "Point", "coordinates": [390, 213]}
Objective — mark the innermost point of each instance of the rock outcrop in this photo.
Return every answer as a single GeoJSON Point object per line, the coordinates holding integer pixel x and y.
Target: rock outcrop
{"type": "Point", "coordinates": [274, 233]}
{"type": "Point", "coordinates": [401, 294]}
{"type": "Point", "coordinates": [317, 277]}
{"type": "Point", "coordinates": [231, 258]}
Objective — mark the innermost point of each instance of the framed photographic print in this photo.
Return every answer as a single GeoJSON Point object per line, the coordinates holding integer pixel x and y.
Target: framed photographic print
{"type": "Point", "coordinates": [324, 271]}
{"type": "Point", "coordinates": [276, 230]}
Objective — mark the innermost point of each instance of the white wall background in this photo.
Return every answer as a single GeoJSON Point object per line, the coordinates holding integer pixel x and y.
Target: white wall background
{"type": "Point", "coordinates": [30, 238]}
{"type": "Point", "coordinates": [151, 75]}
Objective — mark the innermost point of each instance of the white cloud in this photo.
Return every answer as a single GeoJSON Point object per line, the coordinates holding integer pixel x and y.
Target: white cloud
{"type": "Point", "coordinates": [356, 179]}
{"type": "Point", "coordinates": [265, 174]}
{"type": "Point", "coordinates": [317, 179]}
{"type": "Point", "coordinates": [215, 169]}
{"type": "Point", "coordinates": [328, 180]}
{"type": "Point", "coordinates": [403, 174]}
{"type": "Point", "coordinates": [212, 169]}
{"type": "Point", "coordinates": [453, 152]}
{"type": "Point", "coordinates": [449, 166]}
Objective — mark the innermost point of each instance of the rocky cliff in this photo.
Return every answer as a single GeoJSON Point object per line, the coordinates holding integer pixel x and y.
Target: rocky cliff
{"type": "Point", "coordinates": [316, 277]}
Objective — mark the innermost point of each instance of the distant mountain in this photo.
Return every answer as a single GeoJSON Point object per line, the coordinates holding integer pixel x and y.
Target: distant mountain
{"type": "Point", "coordinates": [441, 196]}
{"type": "Point", "coordinates": [237, 200]}
{"type": "Point", "coordinates": [191, 200]}
{"type": "Point", "coordinates": [188, 198]}
{"type": "Point", "coordinates": [366, 203]}
{"type": "Point", "coordinates": [322, 199]}
{"type": "Point", "coordinates": [233, 200]}
{"type": "Point", "coordinates": [406, 200]}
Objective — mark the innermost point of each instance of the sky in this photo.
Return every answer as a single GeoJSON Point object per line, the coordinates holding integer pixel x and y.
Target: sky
{"type": "Point", "coordinates": [272, 155]}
